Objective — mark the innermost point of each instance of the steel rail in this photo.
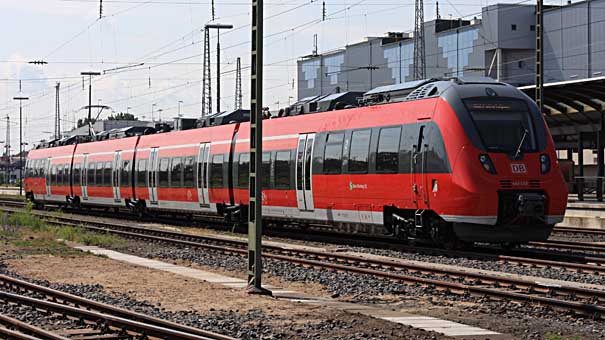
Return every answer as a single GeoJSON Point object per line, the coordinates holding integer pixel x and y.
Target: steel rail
{"type": "Point", "coordinates": [109, 320]}
{"type": "Point", "coordinates": [8, 281]}
{"type": "Point", "coordinates": [570, 245]}
{"type": "Point", "coordinates": [17, 329]}
{"type": "Point", "coordinates": [356, 264]}
{"type": "Point", "coordinates": [577, 230]}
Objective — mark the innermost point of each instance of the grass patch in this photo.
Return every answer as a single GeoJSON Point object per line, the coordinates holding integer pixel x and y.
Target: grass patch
{"type": "Point", "coordinates": [29, 234]}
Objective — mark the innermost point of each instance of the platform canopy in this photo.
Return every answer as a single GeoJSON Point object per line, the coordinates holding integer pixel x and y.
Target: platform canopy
{"type": "Point", "coordinates": [573, 107]}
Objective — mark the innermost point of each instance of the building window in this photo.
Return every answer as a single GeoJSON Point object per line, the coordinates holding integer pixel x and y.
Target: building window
{"type": "Point", "coordinates": [513, 27]}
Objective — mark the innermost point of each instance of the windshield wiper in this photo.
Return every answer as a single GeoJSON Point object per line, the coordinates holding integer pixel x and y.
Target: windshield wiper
{"type": "Point", "coordinates": [521, 144]}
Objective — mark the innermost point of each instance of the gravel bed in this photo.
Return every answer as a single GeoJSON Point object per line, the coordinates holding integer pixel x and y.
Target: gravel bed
{"type": "Point", "coordinates": [367, 289]}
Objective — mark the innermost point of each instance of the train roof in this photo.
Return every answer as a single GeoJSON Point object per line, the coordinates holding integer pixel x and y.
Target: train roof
{"type": "Point", "coordinates": [408, 91]}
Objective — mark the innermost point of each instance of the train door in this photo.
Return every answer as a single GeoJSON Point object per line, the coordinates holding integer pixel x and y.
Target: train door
{"type": "Point", "coordinates": [202, 174]}
{"type": "Point", "coordinates": [419, 193]}
{"type": "Point", "coordinates": [152, 175]}
{"type": "Point", "coordinates": [84, 179]}
{"type": "Point", "coordinates": [47, 177]}
{"type": "Point", "coordinates": [304, 172]}
{"type": "Point", "coordinates": [115, 176]}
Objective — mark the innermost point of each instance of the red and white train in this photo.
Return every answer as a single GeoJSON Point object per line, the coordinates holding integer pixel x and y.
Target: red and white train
{"type": "Point", "coordinates": [436, 159]}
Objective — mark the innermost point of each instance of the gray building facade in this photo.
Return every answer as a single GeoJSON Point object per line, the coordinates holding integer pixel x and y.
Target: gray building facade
{"type": "Point", "coordinates": [499, 44]}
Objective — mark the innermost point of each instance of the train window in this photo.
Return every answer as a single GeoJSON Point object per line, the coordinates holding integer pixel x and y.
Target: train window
{"type": "Point", "coordinates": [90, 181]}
{"type": "Point", "coordinates": [216, 172]}
{"type": "Point", "coordinates": [59, 179]}
{"type": "Point", "coordinates": [76, 175]}
{"type": "Point", "coordinates": [176, 173]}
{"type": "Point", "coordinates": [34, 165]}
{"type": "Point", "coordinates": [408, 140]}
{"type": "Point", "coordinates": [243, 171]}
{"type": "Point", "coordinates": [359, 151]}
{"type": "Point", "coordinates": [100, 174]}
{"type": "Point", "coordinates": [333, 153]}
{"type": "Point", "coordinates": [42, 168]}
{"type": "Point", "coordinates": [126, 174]}
{"type": "Point", "coordinates": [141, 173]}
{"type": "Point", "coordinates": [266, 170]}
{"type": "Point", "coordinates": [188, 172]}
{"type": "Point", "coordinates": [437, 161]}
{"type": "Point", "coordinates": [282, 170]}
{"type": "Point", "coordinates": [387, 157]}
{"type": "Point", "coordinates": [164, 172]}
{"type": "Point", "coordinates": [107, 174]}
{"type": "Point", "coordinates": [299, 165]}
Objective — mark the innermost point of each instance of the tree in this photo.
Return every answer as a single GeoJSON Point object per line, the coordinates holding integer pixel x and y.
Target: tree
{"type": "Point", "coordinates": [84, 122]}
{"type": "Point", "coordinates": [122, 116]}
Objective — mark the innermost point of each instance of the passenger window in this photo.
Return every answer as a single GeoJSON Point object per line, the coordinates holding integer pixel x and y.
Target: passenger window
{"type": "Point", "coordinates": [164, 172]}
{"type": "Point", "coordinates": [43, 168]}
{"type": "Point", "coordinates": [142, 173]}
{"type": "Point", "coordinates": [91, 174]}
{"type": "Point", "coordinates": [176, 173]}
{"type": "Point", "coordinates": [59, 178]}
{"type": "Point", "coordinates": [107, 175]}
{"type": "Point", "coordinates": [100, 174]}
{"type": "Point", "coordinates": [359, 151]}
{"type": "Point", "coordinates": [333, 153]}
{"type": "Point", "coordinates": [265, 173]}
{"type": "Point", "coordinates": [216, 172]}
{"type": "Point", "coordinates": [125, 175]}
{"type": "Point", "coordinates": [76, 175]}
{"type": "Point", "coordinates": [282, 170]}
{"type": "Point", "coordinates": [188, 172]}
{"type": "Point", "coordinates": [243, 171]}
{"type": "Point", "coordinates": [387, 157]}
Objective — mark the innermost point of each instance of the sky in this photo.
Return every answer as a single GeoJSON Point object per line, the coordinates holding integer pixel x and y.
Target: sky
{"type": "Point", "coordinates": [166, 37]}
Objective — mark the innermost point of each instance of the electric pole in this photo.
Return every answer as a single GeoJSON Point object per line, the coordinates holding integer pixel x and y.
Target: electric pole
{"type": "Point", "coordinates": [255, 211]}
{"type": "Point", "coordinates": [57, 113]}
{"type": "Point", "coordinates": [90, 74]}
{"type": "Point", "coordinates": [21, 99]}
{"type": "Point", "coordinates": [7, 146]}
{"type": "Point", "coordinates": [419, 55]}
{"type": "Point", "coordinates": [206, 83]}
{"type": "Point", "coordinates": [238, 84]}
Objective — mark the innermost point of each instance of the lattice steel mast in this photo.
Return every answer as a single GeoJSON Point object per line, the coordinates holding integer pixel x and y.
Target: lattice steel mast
{"type": "Point", "coordinates": [206, 88]}
{"type": "Point", "coordinates": [419, 55]}
{"type": "Point", "coordinates": [238, 84]}
{"type": "Point", "coordinates": [57, 113]}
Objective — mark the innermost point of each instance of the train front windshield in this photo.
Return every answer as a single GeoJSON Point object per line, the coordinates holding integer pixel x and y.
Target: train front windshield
{"type": "Point", "coordinates": [503, 125]}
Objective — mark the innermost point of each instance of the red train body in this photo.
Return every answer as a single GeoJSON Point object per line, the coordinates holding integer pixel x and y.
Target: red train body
{"type": "Point", "coordinates": [466, 161]}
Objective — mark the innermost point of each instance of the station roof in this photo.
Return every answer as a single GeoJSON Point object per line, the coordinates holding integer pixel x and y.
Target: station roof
{"type": "Point", "coordinates": [571, 107]}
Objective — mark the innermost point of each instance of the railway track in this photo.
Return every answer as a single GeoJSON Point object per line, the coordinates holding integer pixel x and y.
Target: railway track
{"type": "Point", "coordinates": [584, 301]}
{"type": "Point", "coordinates": [523, 256]}
{"type": "Point", "coordinates": [96, 320]}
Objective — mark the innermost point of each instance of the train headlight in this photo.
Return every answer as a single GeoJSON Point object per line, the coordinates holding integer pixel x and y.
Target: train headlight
{"type": "Point", "coordinates": [487, 164]}
{"type": "Point", "coordinates": [544, 163]}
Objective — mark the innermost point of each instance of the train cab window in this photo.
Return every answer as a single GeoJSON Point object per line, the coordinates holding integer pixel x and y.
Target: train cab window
{"type": "Point", "coordinates": [282, 170]}
{"type": "Point", "coordinates": [387, 156]}
{"type": "Point", "coordinates": [216, 172]}
{"type": "Point", "coordinates": [90, 180]}
{"type": "Point", "coordinates": [188, 172]}
{"type": "Point", "coordinates": [176, 173]}
{"type": "Point", "coordinates": [141, 176]}
{"type": "Point", "coordinates": [266, 170]}
{"type": "Point", "coordinates": [126, 174]}
{"type": "Point", "coordinates": [333, 153]}
{"type": "Point", "coordinates": [164, 172]}
{"type": "Point", "coordinates": [359, 151]}
{"type": "Point", "coordinates": [243, 169]}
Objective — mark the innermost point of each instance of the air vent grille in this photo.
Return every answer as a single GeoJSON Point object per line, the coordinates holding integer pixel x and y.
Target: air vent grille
{"type": "Point", "coordinates": [506, 184]}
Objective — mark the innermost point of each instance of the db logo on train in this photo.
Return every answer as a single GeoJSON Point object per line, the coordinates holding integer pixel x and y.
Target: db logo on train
{"type": "Point", "coordinates": [518, 168]}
